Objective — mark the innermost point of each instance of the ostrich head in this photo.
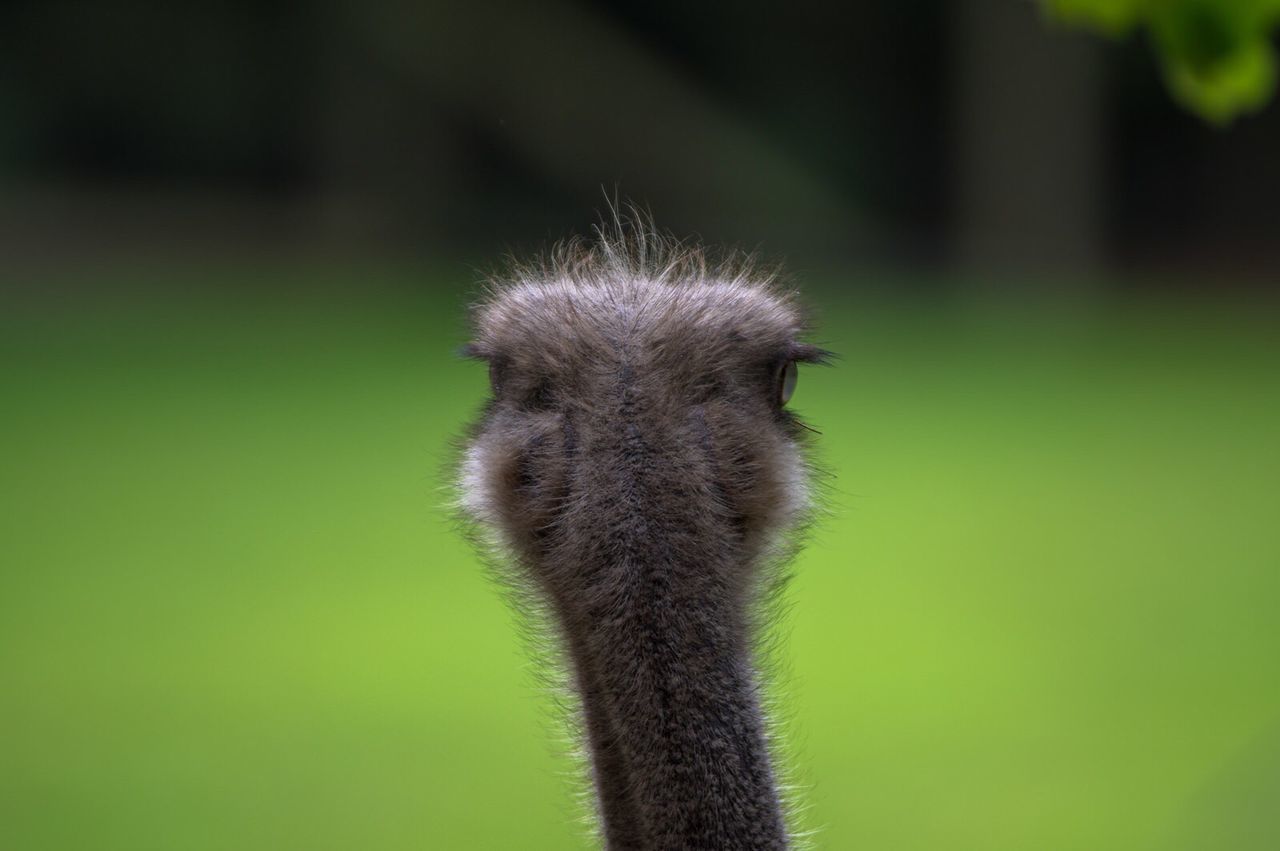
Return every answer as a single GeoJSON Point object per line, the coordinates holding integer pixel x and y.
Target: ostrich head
{"type": "Point", "coordinates": [639, 465]}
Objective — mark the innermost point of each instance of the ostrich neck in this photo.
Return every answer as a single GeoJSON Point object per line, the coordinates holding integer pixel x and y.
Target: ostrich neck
{"type": "Point", "coordinates": [657, 629]}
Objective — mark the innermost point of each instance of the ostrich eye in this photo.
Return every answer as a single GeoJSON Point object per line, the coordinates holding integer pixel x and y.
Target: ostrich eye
{"type": "Point", "coordinates": [495, 379]}
{"type": "Point", "coordinates": [786, 382]}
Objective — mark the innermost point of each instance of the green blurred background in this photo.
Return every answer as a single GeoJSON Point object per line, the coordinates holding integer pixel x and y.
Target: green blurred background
{"type": "Point", "coordinates": [237, 242]}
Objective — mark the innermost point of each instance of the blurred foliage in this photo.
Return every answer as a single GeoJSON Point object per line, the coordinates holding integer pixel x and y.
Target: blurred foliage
{"type": "Point", "coordinates": [1217, 55]}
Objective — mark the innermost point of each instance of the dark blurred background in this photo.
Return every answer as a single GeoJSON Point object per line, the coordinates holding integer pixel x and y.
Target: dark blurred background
{"type": "Point", "coordinates": [237, 243]}
{"type": "Point", "coordinates": [977, 135]}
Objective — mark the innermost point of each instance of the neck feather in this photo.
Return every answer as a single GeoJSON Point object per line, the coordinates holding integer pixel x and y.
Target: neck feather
{"type": "Point", "coordinates": [662, 661]}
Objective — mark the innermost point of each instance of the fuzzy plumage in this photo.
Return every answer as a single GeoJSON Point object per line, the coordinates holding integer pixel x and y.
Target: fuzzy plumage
{"type": "Point", "coordinates": [639, 471]}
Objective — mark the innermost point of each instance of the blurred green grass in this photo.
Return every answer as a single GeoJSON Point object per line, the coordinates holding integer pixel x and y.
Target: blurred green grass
{"type": "Point", "coordinates": [1042, 611]}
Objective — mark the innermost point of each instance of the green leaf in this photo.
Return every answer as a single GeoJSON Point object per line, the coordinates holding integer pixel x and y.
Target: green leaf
{"type": "Point", "coordinates": [1216, 55]}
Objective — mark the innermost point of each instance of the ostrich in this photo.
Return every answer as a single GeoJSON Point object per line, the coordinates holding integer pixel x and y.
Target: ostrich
{"type": "Point", "coordinates": [637, 471]}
